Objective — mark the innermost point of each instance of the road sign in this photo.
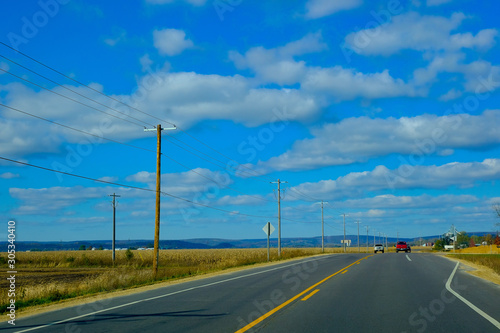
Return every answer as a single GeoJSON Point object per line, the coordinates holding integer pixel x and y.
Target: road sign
{"type": "Point", "coordinates": [347, 241]}
{"type": "Point", "coordinates": [268, 228]}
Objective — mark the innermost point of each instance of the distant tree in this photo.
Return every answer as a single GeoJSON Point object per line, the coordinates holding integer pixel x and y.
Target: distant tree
{"type": "Point", "coordinates": [82, 248]}
{"type": "Point", "coordinates": [439, 245]}
{"type": "Point", "coordinates": [488, 239]}
{"type": "Point", "coordinates": [129, 254]}
{"type": "Point", "coordinates": [472, 243]}
{"type": "Point", "coordinates": [496, 208]}
{"type": "Point", "coordinates": [497, 240]}
{"type": "Point", "coordinates": [101, 248]}
{"type": "Point", "coordinates": [463, 239]}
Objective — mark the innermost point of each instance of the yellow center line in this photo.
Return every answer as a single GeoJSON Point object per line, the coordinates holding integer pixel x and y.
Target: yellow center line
{"type": "Point", "coordinates": [308, 296]}
{"type": "Point", "coordinates": [282, 305]}
{"type": "Point", "coordinates": [344, 271]}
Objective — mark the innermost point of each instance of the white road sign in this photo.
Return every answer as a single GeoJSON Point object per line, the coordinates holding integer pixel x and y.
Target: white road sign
{"type": "Point", "coordinates": [268, 227]}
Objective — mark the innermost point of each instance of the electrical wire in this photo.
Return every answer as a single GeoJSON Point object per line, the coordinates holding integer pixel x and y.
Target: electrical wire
{"type": "Point", "coordinates": [73, 91]}
{"type": "Point", "coordinates": [121, 102]}
{"type": "Point", "coordinates": [75, 129]}
{"type": "Point", "coordinates": [134, 187]}
{"type": "Point", "coordinates": [80, 83]}
{"type": "Point", "coordinates": [69, 98]}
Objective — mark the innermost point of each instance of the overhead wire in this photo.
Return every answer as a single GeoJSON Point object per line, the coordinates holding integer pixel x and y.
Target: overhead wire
{"type": "Point", "coordinates": [73, 91]}
{"type": "Point", "coordinates": [69, 98]}
{"type": "Point", "coordinates": [112, 98]}
{"type": "Point", "coordinates": [117, 100]}
{"type": "Point", "coordinates": [133, 187]}
{"type": "Point", "coordinates": [74, 129]}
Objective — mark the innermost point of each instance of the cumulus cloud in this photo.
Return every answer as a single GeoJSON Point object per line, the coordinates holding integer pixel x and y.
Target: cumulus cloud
{"type": "Point", "coordinates": [321, 8]}
{"type": "Point", "coordinates": [171, 42]}
{"type": "Point", "coordinates": [416, 32]}
{"type": "Point", "coordinates": [187, 183]}
{"type": "Point", "coordinates": [359, 139]}
{"type": "Point", "coordinates": [432, 3]}
{"type": "Point", "coordinates": [54, 200]}
{"type": "Point", "coordinates": [278, 65]}
{"type": "Point", "coordinates": [163, 2]}
{"type": "Point", "coordinates": [381, 178]}
{"type": "Point", "coordinates": [9, 175]}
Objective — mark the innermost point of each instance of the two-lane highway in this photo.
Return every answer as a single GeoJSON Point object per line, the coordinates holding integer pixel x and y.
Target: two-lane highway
{"type": "Point", "coordinates": [341, 292]}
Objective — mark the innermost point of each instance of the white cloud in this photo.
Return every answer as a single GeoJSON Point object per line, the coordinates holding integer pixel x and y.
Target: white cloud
{"type": "Point", "coordinates": [171, 42]}
{"type": "Point", "coordinates": [431, 3]}
{"type": "Point", "coordinates": [390, 201]}
{"type": "Point", "coordinates": [356, 184]}
{"type": "Point", "coordinates": [9, 175]}
{"type": "Point", "coordinates": [359, 139]}
{"type": "Point", "coordinates": [187, 183]}
{"type": "Point", "coordinates": [321, 8]}
{"type": "Point", "coordinates": [342, 84]}
{"type": "Point", "coordinates": [192, 2]}
{"type": "Point", "coordinates": [47, 201]}
{"type": "Point", "coordinates": [278, 65]}
{"type": "Point", "coordinates": [450, 95]}
{"type": "Point", "coordinates": [416, 32]}
{"type": "Point", "coordinates": [336, 84]}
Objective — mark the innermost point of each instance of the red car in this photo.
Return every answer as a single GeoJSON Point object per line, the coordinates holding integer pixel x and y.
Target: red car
{"type": "Point", "coordinates": [402, 246]}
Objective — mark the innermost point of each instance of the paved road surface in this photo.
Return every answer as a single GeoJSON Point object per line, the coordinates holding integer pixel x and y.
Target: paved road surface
{"type": "Point", "coordinates": [335, 293]}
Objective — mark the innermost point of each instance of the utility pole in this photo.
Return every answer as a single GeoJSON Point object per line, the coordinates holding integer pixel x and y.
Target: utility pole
{"type": "Point", "coordinates": [344, 233]}
{"type": "Point", "coordinates": [374, 238]}
{"type": "Point", "coordinates": [158, 192]}
{"type": "Point", "coordinates": [322, 229]}
{"type": "Point", "coordinates": [114, 228]}
{"type": "Point", "coordinates": [279, 215]}
{"type": "Point", "coordinates": [357, 222]}
{"type": "Point", "coordinates": [367, 239]}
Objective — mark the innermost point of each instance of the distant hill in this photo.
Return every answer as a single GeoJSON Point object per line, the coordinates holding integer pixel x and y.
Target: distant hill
{"type": "Point", "coordinates": [209, 243]}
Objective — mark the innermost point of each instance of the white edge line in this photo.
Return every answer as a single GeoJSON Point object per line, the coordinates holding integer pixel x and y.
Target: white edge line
{"type": "Point", "coordinates": [469, 304]}
{"type": "Point", "coordinates": [161, 296]}
{"type": "Point", "coordinates": [408, 258]}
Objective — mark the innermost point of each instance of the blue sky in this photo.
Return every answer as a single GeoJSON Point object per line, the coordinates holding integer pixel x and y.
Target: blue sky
{"type": "Point", "coordinates": [386, 110]}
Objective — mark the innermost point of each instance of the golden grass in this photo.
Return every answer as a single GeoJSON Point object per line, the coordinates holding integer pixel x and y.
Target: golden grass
{"type": "Point", "coordinates": [45, 277]}
{"type": "Point", "coordinates": [485, 249]}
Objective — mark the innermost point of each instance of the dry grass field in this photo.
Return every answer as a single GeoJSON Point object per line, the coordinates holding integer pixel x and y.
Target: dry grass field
{"type": "Point", "coordinates": [45, 277]}
{"type": "Point", "coordinates": [488, 255]}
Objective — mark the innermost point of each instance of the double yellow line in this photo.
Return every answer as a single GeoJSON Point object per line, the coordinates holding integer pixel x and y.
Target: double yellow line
{"type": "Point", "coordinates": [281, 306]}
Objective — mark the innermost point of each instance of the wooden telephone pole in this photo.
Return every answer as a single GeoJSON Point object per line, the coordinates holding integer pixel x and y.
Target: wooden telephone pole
{"type": "Point", "coordinates": [156, 250]}
{"type": "Point", "coordinates": [114, 224]}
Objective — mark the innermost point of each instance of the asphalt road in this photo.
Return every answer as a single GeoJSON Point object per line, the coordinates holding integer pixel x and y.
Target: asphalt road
{"type": "Point", "coordinates": [335, 293]}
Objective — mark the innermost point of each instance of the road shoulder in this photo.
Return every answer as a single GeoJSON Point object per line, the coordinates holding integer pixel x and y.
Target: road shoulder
{"type": "Point", "coordinates": [479, 271]}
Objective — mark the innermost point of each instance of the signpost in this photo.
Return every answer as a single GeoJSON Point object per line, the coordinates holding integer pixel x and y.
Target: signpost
{"type": "Point", "coordinates": [268, 229]}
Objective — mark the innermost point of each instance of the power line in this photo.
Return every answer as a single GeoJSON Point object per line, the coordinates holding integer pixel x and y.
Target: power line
{"type": "Point", "coordinates": [81, 83]}
{"type": "Point", "coordinates": [121, 102]}
{"type": "Point", "coordinates": [133, 187]}
{"type": "Point", "coordinates": [71, 99]}
{"type": "Point", "coordinates": [69, 89]}
{"type": "Point", "coordinates": [132, 146]}
{"type": "Point", "coordinates": [74, 129]}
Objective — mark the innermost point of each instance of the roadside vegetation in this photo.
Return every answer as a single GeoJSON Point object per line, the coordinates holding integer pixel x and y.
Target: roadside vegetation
{"type": "Point", "coordinates": [46, 277]}
{"type": "Point", "coordinates": [489, 260]}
